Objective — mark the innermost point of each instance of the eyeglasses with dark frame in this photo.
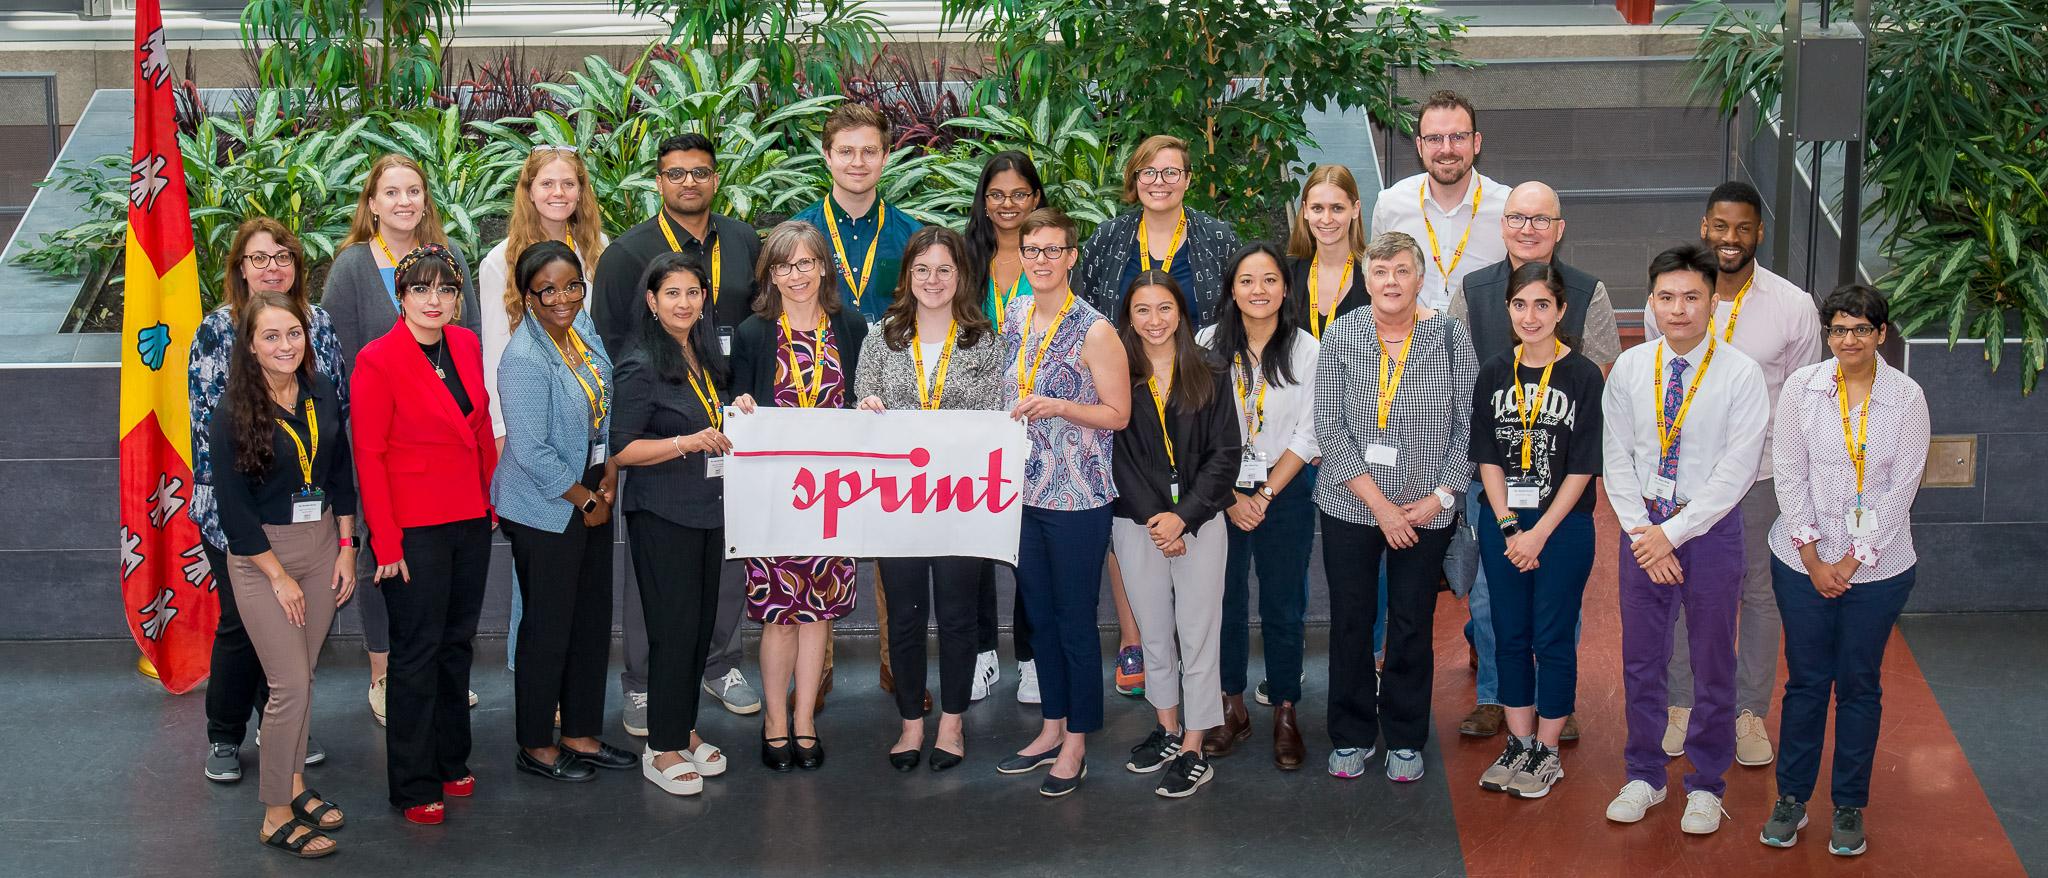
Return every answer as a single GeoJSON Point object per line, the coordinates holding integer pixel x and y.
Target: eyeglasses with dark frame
{"type": "Point", "coordinates": [1168, 176]}
{"type": "Point", "coordinates": [1539, 222]}
{"type": "Point", "coordinates": [1052, 252]}
{"type": "Point", "coordinates": [1455, 138]}
{"type": "Point", "coordinates": [806, 265]}
{"type": "Point", "coordinates": [281, 258]}
{"type": "Point", "coordinates": [677, 175]}
{"type": "Point", "coordinates": [1860, 330]}
{"type": "Point", "coordinates": [550, 297]}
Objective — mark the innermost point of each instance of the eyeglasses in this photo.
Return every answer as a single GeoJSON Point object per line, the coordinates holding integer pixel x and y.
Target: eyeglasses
{"type": "Point", "coordinates": [550, 296]}
{"type": "Point", "coordinates": [806, 265]}
{"type": "Point", "coordinates": [1162, 175]}
{"type": "Point", "coordinates": [1455, 138]}
{"type": "Point", "coordinates": [924, 273]}
{"type": "Point", "coordinates": [677, 175]}
{"type": "Point", "coordinates": [1538, 222]}
{"type": "Point", "coordinates": [848, 153]}
{"type": "Point", "coordinates": [1861, 330]}
{"type": "Point", "coordinates": [1018, 197]}
{"type": "Point", "coordinates": [434, 292]}
{"type": "Point", "coordinates": [282, 259]}
{"type": "Point", "coordinates": [549, 147]}
{"type": "Point", "coordinates": [1053, 252]}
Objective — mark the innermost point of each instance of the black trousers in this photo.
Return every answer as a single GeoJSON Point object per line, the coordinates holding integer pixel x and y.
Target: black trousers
{"type": "Point", "coordinates": [678, 569]}
{"type": "Point", "coordinates": [986, 619]}
{"type": "Point", "coordinates": [919, 588]}
{"type": "Point", "coordinates": [565, 629]}
{"type": "Point", "coordinates": [235, 685]}
{"type": "Point", "coordinates": [433, 620]}
{"type": "Point", "coordinates": [1399, 700]}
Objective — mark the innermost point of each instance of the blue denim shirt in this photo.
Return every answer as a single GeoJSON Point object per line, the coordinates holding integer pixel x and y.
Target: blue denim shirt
{"type": "Point", "coordinates": [548, 431]}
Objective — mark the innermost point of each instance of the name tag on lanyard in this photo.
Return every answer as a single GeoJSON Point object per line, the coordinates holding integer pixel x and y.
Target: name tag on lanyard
{"type": "Point", "coordinates": [1252, 469]}
{"type": "Point", "coordinates": [1861, 523]}
{"type": "Point", "coordinates": [1381, 455]}
{"type": "Point", "coordinates": [307, 506]}
{"type": "Point", "coordinates": [714, 466]}
{"type": "Point", "coordinates": [1524, 493]}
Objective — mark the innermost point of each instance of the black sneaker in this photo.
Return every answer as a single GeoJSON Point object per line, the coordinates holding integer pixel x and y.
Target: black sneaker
{"type": "Point", "coordinates": [1189, 771]}
{"type": "Point", "coordinates": [1159, 747]}
{"type": "Point", "coordinates": [1847, 839]}
{"type": "Point", "coordinates": [224, 763]}
{"type": "Point", "coordinates": [1787, 818]}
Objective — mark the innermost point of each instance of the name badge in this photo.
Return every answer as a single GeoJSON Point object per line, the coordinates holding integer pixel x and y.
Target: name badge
{"type": "Point", "coordinates": [1381, 455]}
{"type": "Point", "coordinates": [307, 505]}
{"type": "Point", "coordinates": [1861, 523]}
{"type": "Point", "coordinates": [1252, 469]}
{"type": "Point", "coordinates": [725, 341]}
{"type": "Point", "coordinates": [1660, 488]}
{"type": "Point", "coordinates": [597, 454]}
{"type": "Point", "coordinates": [1524, 494]}
{"type": "Point", "coordinates": [714, 466]}
{"type": "Point", "coordinates": [1173, 492]}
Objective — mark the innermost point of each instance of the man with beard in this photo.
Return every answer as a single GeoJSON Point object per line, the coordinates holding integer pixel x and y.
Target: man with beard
{"type": "Point", "coordinates": [1450, 209]}
{"type": "Point", "coordinates": [1775, 323]}
{"type": "Point", "coordinates": [686, 175]}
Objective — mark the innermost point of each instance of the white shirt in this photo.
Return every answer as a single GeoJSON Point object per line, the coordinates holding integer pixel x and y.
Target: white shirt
{"type": "Point", "coordinates": [1719, 443]}
{"type": "Point", "coordinates": [1779, 328]}
{"type": "Point", "coordinates": [1400, 209]}
{"type": "Point", "coordinates": [495, 326]}
{"type": "Point", "coordinates": [1816, 482]}
{"type": "Point", "coordinates": [1289, 410]}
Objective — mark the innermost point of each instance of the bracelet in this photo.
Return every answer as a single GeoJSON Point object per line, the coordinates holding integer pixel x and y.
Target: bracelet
{"type": "Point", "coordinates": [677, 441]}
{"type": "Point", "coordinates": [1515, 520]}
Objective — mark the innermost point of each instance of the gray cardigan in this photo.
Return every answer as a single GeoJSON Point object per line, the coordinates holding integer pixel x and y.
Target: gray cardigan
{"type": "Point", "coordinates": [360, 305]}
{"type": "Point", "coordinates": [974, 377]}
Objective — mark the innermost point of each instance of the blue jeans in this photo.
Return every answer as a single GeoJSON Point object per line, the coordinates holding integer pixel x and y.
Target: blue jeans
{"type": "Point", "coordinates": [1280, 547]}
{"type": "Point", "coordinates": [1479, 630]}
{"type": "Point", "coordinates": [1059, 569]}
{"type": "Point", "coordinates": [1833, 643]}
{"type": "Point", "coordinates": [1536, 614]}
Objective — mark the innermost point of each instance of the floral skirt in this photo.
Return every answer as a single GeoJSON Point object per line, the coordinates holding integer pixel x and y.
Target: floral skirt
{"type": "Point", "coordinates": [793, 591]}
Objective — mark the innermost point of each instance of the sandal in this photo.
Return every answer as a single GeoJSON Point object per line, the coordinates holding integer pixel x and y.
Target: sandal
{"type": "Point", "coordinates": [314, 816]}
{"type": "Point", "coordinates": [680, 779]}
{"type": "Point", "coordinates": [282, 840]}
{"type": "Point", "coordinates": [702, 758]}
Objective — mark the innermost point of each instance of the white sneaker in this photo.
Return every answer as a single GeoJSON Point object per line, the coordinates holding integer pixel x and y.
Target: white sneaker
{"type": "Point", "coordinates": [378, 688]}
{"type": "Point", "coordinates": [1752, 743]}
{"type": "Point", "coordinates": [1676, 721]}
{"type": "Point", "coordinates": [1703, 813]}
{"type": "Point", "coordinates": [1636, 797]}
{"type": "Point", "coordinates": [1027, 683]}
{"type": "Point", "coordinates": [987, 670]}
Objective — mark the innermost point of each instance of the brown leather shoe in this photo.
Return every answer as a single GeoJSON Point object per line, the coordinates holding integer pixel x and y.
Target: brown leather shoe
{"type": "Point", "coordinates": [1484, 721]}
{"type": "Point", "coordinates": [1237, 726]}
{"type": "Point", "coordinates": [1287, 749]}
{"type": "Point", "coordinates": [1571, 729]}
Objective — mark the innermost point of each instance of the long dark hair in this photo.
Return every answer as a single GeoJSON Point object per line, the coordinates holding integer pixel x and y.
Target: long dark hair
{"type": "Point", "coordinates": [1194, 378]}
{"type": "Point", "coordinates": [1551, 279]}
{"type": "Point", "coordinates": [250, 409]}
{"type": "Point", "coordinates": [1229, 341]}
{"type": "Point", "coordinates": [981, 231]}
{"type": "Point", "coordinates": [662, 351]}
{"type": "Point", "coordinates": [899, 323]}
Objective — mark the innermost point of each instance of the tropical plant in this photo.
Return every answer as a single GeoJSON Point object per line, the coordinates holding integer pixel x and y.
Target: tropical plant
{"type": "Point", "coordinates": [346, 56]}
{"type": "Point", "coordinates": [809, 40]}
{"type": "Point", "coordinates": [1082, 172]}
{"type": "Point", "coordinates": [917, 99]}
{"type": "Point", "coordinates": [1957, 145]}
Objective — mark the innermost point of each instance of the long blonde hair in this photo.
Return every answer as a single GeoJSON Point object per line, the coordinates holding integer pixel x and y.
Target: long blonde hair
{"type": "Point", "coordinates": [586, 225]}
{"type": "Point", "coordinates": [364, 226]}
{"type": "Point", "coordinates": [1300, 243]}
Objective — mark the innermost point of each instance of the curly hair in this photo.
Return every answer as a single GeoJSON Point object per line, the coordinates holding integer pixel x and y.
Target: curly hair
{"type": "Point", "coordinates": [250, 409]}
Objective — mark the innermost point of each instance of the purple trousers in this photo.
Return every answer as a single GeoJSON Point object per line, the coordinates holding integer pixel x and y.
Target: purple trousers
{"type": "Point", "coordinates": [1710, 594]}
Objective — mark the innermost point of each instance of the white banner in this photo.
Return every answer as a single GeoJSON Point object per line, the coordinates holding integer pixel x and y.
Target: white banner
{"type": "Point", "coordinates": [900, 484]}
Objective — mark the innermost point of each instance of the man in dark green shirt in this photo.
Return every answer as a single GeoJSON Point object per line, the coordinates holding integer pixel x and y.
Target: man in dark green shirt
{"type": "Point", "coordinates": [867, 235]}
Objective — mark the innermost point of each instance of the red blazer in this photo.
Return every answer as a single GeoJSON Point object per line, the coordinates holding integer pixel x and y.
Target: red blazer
{"type": "Point", "coordinates": [419, 460]}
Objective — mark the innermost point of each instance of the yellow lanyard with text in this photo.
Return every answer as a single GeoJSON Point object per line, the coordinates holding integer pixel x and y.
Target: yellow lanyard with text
{"type": "Point", "coordinates": [595, 395]}
{"type": "Point", "coordinates": [675, 246]}
{"type": "Point", "coordinates": [1027, 378]}
{"type": "Point", "coordinates": [859, 285]}
{"type": "Point", "coordinates": [379, 237]}
{"type": "Point", "coordinates": [1857, 442]}
{"type": "Point", "coordinates": [805, 398]}
{"type": "Point", "coordinates": [930, 401]}
{"type": "Point", "coordinates": [1253, 405]}
{"type": "Point", "coordinates": [306, 454]}
{"type": "Point", "coordinates": [1159, 405]}
{"type": "Point", "coordinates": [1001, 300]}
{"type": "Point", "coordinates": [1316, 321]}
{"type": "Point", "coordinates": [1526, 410]}
{"type": "Point", "coordinates": [1397, 367]}
{"type": "Point", "coordinates": [709, 400]}
{"type": "Point", "coordinates": [1668, 434]}
{"type": "Point", "coordinates": [1180, 231]}
{"type": "Point", "coordinates": [1422, 202]}
{"type": "Point", "coordinates": [1734, 312]}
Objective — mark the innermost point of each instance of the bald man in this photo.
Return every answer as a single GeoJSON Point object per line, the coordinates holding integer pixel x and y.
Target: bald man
{"type": "Point", "coordinates": [1531, 226]}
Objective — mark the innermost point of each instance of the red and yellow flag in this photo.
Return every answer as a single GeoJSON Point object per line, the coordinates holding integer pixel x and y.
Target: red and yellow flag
{"type": "Point", "coordinates": [166, 584]}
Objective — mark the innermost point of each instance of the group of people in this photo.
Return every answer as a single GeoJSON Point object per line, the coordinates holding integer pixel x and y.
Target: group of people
{"type": "Point", "coordinates": [1437, 398]}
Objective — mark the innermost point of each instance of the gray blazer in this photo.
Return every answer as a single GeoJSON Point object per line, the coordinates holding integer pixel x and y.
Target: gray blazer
{"type": "Point", "coordinates": [974, 378]}
{"type": "Point", "coordinates": [361, 306]}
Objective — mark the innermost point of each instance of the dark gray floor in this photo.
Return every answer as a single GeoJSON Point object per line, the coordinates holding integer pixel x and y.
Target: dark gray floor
{"type": "Point", "coordinates": [1986, 671]}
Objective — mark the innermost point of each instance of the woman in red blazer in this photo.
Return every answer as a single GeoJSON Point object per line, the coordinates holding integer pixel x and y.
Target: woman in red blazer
{"type": "Point", "coordinates": [424, 458]}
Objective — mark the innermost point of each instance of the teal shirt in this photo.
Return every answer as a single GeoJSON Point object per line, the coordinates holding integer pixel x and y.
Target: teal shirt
{"type": "Point", "coordinates": [855, 236]}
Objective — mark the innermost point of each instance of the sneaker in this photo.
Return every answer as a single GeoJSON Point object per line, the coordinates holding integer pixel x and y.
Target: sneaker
{"type": "Point", "coordinates": [1847, 840]}
{"type": "Point", "coordinates": [1404, 766]}
{"type": "Point", "coordinates": [1752, 743]}
{"type": "Point", "coordinates": [1541, 771]}
{"type": "Point", "coordinates": [378, 688]}
{"type": "Point", "coordinates": [635, 719]}
{"type": "Point", "coordinates": [1259, 695]}
{"type": "Point", "coordinates": [224, 763]}
{"type": "Point", "coordinates": [1503, 769]}
{"type": "Point", "coordinates": [1703, 813]}
{"type": "Point", "coordinates": [1130, 671]}
{"type": "Point", "coordinates": [1189, 771]}
{"type": "Point", "coordinates": [315, 754]}
{"type": "Point", "coordinates": [1349, 762]}
{"type": "Point", "coordinates": [1159, 748]}
{"type": "Point", "coordinates": [1636, 797]}
{"type": "Point", "coordinates": [986, 672]}
{"type": "Point", "coordinates": [1676, 721]}
{"type": "Point", "coordinates": [472, 698]}
{"type": "Point", "coordinates": [1787, 818]}
{"type": "Point", "coordinates": [733, 692]}
{"type": "Point", "coordinates": [1027, 683]}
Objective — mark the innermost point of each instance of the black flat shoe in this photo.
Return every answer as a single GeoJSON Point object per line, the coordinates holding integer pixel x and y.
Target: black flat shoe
{"type": "Point", "coordinates": [567, 767]}
{"type": "Point", "coordinates": [606, 756]}
{"type": "Point", "coordinates": [1025, 763]}
{"type": "Point", "coordinates": [943, 759]}
{"type": "Point", "coordinates": [778, 757]}
{"type": "Point", "coordinates": [1055, 787]}
{"type": "Point", "coordinates": [906, 760]}
{"type": "Point", "coordinates": [811, 757]}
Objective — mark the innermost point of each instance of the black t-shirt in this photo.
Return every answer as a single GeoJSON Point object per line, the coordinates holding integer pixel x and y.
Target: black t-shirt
{"type": "Point", "coordinates": [1566, 438]}
{"type": "Point", "coordinates": [438, 357]}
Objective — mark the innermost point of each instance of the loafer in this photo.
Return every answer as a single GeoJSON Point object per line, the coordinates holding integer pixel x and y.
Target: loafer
{"type": "Point", "coordinates": [1055, 787]}
{"type": "Point", "coordinates": [1025, 763]}
{"type": "Point", "coordinates": [810, 757]}
{"type": "Point", "coordinates": [224, 763]}
{"type": "Point", "coordinates": [567, 767]}
{"type": "Point", "coordinates": [606, 756]}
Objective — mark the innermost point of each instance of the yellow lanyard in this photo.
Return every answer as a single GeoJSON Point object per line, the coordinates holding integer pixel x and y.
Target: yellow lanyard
{"type": "Point", "coordinates": [709, 400]}
{"type": "Point", "coordinates": [805, 398]}
{"type": "Point", "coordinates": [675, 246]}
{"type": "Point", "coordinates": [1397, 367]}
{"type": "Point", "coordinates": [1526, 411]}
{"type": "Point", "coordinates": [1252, 406]}
{"type": "Point", "coordinates": [859, 286]}
{"type": "Point", "coordinates": [1000, 298]}
{"type": "Point", "coordinates": [379, 238]}
{"type": "Point", "coordinates": [313, 433]}
{"type": "Point", "coordinates": [1159, 405]}
{"type": "Point", "coordinates": [1668, 434]}
{"type": "Point", "coordinates": [1734, 313]}
{"type": "Point", "coordinates": [1180, 231]}
{"type": "Point", "coordinates": [596, 395]}
{"type": "Point", "coordinates": [1316, 320]}
{"type": "Point", "coordinates": [569, 238]}
{"type": "Point", "coordinates": [1422, 201]}
{"type": "Point", "coordinates": [1856, 442]}
{"type": "Point", "coordinates": [1027, 378]}
{"type": "Point", "coordinates": [930, 401]}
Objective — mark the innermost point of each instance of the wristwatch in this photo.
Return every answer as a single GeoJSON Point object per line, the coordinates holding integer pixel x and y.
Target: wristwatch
{"type": "Point", "coordinates": [1447, 498]}
{"type": "Point", "coordinates": [1509, 527]}
{"type": "Point", "coordinates": [590, 504]}
{"type": "Point", "coordinates": [1266, 491]}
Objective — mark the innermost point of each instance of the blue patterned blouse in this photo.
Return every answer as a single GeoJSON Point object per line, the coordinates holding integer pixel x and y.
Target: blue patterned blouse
{"type": "Point", "coordinates": [1069, 467]}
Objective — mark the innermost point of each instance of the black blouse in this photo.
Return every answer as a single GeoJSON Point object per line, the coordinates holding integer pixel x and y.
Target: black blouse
{"type": "Point", "coordinates": [437, 356]}
{"type": "Point", "coordinates": [250, 501]}
{"type": "Point", "coordinates": [1208, 446]}
{"type": "Point", "coordinates": [1297, 290]}
{"type": "Point", "coordinates": [647, 407]}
